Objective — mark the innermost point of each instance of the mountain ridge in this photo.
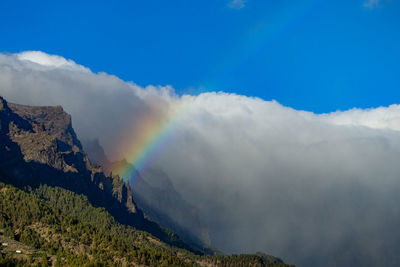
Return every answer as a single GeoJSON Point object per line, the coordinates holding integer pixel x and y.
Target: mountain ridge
{"type": "Point", "coordinates": [156, 195]}
{"type": "Point", "coordinates": [44, 169]}
{"type": "Point", "coordinates": [40, 152]}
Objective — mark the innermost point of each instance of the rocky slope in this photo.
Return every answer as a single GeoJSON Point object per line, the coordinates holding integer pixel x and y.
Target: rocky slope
{"type": "Point", "coordinates": [53, 198]}
{"type": "Point", "coordinates": [44, 137]}
{"type": "Point", "coordinates": [156, 195]}
{"type": "Point", "coordinates": [38, 145]}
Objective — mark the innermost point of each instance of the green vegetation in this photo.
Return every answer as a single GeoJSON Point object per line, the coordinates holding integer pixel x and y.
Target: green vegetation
{"type": "Point", "coordinates": [61, 223]}
{"type": "Point", "coordinates": [244, 260]}
{"type": "Point", "coordinates": [58, 209]}
{"type": "Point", "coordinates": [7, 260]}
{"type": "Point", "coordinates": [92, 237]}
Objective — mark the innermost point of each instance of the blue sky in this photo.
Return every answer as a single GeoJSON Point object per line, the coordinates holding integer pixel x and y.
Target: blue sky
{"type": "Point", "coordinates": [314, 55]}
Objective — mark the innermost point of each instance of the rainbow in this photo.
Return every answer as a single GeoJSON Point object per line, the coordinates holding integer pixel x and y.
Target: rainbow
{"type": "Point", "coordinates": [154, 131]}
{"type": "Point", "coordinates": [152, 134]}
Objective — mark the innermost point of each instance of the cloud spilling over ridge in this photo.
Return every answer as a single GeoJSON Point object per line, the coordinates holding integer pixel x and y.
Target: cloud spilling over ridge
{"type": "Point", "coordinates": [317, 190]}
{"type": "Point", "coordinates": [101, 105]}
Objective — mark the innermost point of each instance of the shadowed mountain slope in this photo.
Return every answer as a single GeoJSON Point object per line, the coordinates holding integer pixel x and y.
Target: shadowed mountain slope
{"type": "Point", "coordinates": [54, 199]}
{"type": "Point", "coordinates": [39, 146]}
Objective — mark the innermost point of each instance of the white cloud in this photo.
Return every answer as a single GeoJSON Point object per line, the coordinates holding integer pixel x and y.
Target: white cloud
{"type": "Point", "coordinates": [377, 118]}
{"type": "Point", "coordinates": [317, 190]}
{"type": "Point", "coordinates": [237, 4]}
{"type": "Point", "coordinates": [50, 61]}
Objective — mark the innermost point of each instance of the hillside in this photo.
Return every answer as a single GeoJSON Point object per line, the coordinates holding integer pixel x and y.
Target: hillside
{"type": "Point", "coordinates": [39, 146]}
{"type": "Point", "coordinates": [157, 197]}
{"type": "Point", "coordinates": [55, 201]}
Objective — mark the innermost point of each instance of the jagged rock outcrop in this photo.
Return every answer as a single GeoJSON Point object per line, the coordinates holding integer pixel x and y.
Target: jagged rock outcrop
{"type": "Point", "coordinates": [42, 159]}
{"type": "Point", "coordinates": [96, 152]}
{"type": "Point", "coordinates": [44, 135]}
{"type": "Point", "coordinates": [38, 145]}
{"type": "Point", "coordinates": [156, 195]}
{"type": "Point", "coordinates": [51, 120]}
{"type": "Point", "coordinates": [49, 138]}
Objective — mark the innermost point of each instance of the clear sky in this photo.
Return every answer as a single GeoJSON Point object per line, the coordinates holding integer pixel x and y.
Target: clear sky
{"type": "Point", "coordinates": [315, 55]}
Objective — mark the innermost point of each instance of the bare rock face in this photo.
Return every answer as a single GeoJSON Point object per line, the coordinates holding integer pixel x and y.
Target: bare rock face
{"type": "Point", "coordinates": [43, 138]}
{"type": "Point", "coordinates": [157, 197]}
{"type": "Point", "coordinates": [52, 120]}
{"type": "Point", "coordinates": [38, 145]}
{"type": "Point", "coordinates": [96, 152]}
{"type": "Point", "coordinates": [51, 139]}
{"type": "Point", "coordinates": [10, 152]}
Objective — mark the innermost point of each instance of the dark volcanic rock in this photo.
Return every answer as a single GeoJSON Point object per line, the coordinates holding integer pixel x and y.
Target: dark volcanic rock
{"type": "Point", "coordinates": [47, 137]}
{"type": "Point", "coordinates": [44, 136]}
{"type": "Point", "coordinates": [96, 152]}
{"type": "Point", "coordinates": [52, 120]}
{"type": "Point", "coordinates": [39, 146]}
{"type": "Point", "coordinates": [157, 197]}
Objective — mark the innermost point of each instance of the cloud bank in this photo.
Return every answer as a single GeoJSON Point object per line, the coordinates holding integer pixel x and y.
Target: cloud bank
{"type": "Point", "coordinates": [314, 189]}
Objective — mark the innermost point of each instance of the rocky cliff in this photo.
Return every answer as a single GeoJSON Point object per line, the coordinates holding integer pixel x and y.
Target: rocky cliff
{"type": "Point", "coordinates": [38, 145]}
{"type": "Point", "coordinates": [156, 195]}
{"type": "Point", "coordinates": [54, 199]}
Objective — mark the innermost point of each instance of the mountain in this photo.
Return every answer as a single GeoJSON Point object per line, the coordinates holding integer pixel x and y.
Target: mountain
{"type": "Point", "coordinates": [63, 207]}
{"type": "Point", "coordinates": [156, 195]}
{"type": "Point", "coordinates": [39, 146]}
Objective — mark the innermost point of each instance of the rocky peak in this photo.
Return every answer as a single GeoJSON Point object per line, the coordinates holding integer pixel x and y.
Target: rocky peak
{"type": "Point", "coordinates": [44, 137]}
{"type": "Point", "coordinates": [52, 120]}
{"type": "Point", "coordinates": [39, 146]}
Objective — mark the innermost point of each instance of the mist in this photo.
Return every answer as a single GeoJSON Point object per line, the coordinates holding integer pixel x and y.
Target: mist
{"type": "Point", "coordinates": [314, 189]}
